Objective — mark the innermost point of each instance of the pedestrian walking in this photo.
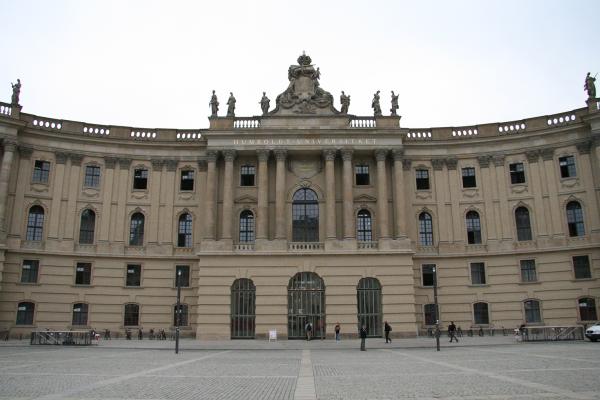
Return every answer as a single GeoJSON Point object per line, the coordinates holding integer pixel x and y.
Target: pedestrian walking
{"type": "Point", "coordinates": [452, 332]}
{"type": "Point", "coordinates": [363, 337]}
{"type": "Point", "coordinates": [337, 332]}
{"type": "Point", "coordinates": [140, 334]}
{"type": "Point", "coordinates": [387, 329]}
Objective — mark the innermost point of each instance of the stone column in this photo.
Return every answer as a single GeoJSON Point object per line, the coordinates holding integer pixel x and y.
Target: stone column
{"type": "Point", "coordinates": [73, 191]}
{"type": "Point", "coordinates": [107, 193]}
{"type": "Point", "coordinates": [280, 156]}
{"type": "Point", "coordinates": [211, 169]}
{"type": "Point", "coordinates": [229, 156]}
{"type": "Point", "coordinates": [54, 224]}
{"type": "Point", "coordinates": [382, 196]}
{"type": "Point", "coordinates": [155, 189]}
{"type": "Point", "coordinates": [349, 220]}
{"type": "Point", "coordinates": [399, 207]}
{"type": "Point", "coordinates": [587, 175]}
{"type": "Point", "coordinates": [7, 159]}
{"type": "Point", "coordinates": [329, 156]}
{"type": "Point", "coordinates": [24, 176]}
{"type": "Point", "coordinates": [262, 219]}
{"type": "Point", "coordinates": [122, 188]}
{"type": "Point", "coordinates": [200, 183]}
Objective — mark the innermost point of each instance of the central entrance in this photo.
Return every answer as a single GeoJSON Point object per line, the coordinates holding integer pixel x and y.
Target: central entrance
{"type": "Point", "coordinates": [306, 303]}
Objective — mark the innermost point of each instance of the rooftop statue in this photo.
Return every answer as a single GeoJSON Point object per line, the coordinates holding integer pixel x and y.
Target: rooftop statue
{"type": "Point", "coordinates": [345, 100]}
{"type": "Point", "coordinates": [231, 105]}
{"type": "Point", "coordinates": [394, 104]}
{"type": "Point", "coordinates": [264, 103]}
{"type": "Point", "coordinates": [590, 86]}
{"type": "Point", "coordinates": [16, 88]}
{"type": "Point", "coordinates": [375, 104]}
{"type": "Point", "coordinates": [304, 94]}
{"type": "Point", "coordinates": [214, 105]}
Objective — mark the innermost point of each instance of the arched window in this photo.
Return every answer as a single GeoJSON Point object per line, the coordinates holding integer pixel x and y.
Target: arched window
{"type": "Point", "coordinates": [25, 313]}
{"type": "Point", "coordinates": [368, 300]}
{"type": "Point", "coordinates": [587, 309]}
{"type": "Point", "coordinates": [481, 314]}
{"type": "Point", "coordinates": [429, 314]}
{"type": "Point", "coordinates": [532, 311]}
{"type": "Point", "coordinates": [246, 226]}
{"type": "Point", "coordinates": [35, 223]}
{"type": "Point", "coordinates": [87, 227]}
{"type": "Point", "coordinates": [80, 314]}
{"type": "Point", "coordinates": [305, 216]}
{"type": "Point", "coordinates": [184, 232]}
{"type": "Point", "coordinates": [363, 226]}
{"type": "Point", "coordinates": [523, 223]}
{"type": "Point", "coordinates": [306, 303]}
{"type": "Point", "coordinates": [131, 316]}
{"type": "Point", "coordinates": [183, 315]}
{"type": "Point", "coordinates": [136, 230]}
{"type": "Point", "coordinates": [425, 229]}
{"type": "Point", "coordinates": [575, 219]}
{"type": "Point", "coordinates": [243, 309]}
{"type": "Point", "coordinates": [473, 228]}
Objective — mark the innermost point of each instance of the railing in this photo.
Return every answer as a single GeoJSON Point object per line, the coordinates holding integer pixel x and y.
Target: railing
{"type": "Point", "coordinates": [143, 135]}
{"type": "Point", "coordinates": [305, 246]}
{"type": "Point", "coordinates": [511, 127]}
{"type": "Point", "coordinates": [5, 109]}
{"type": "Point", "coordinates": [246, 123]}
{"type": "Point", "coordinates": [66, 338]}
{"type": "Point", "coordinates": [243, 247]}
{"type": "Point", "coordinates": [188, 135]}
{"type": "Point", "coordinates": [96, 130]}
{"type": "Point", "coordinates": [367, 245]}
{"type": "Point", "coordinates": [561, 119]}
{"type": "Point", "coordinates": [465, 131]}
{"type": "Point", "coordinates": [551, 333]}
{"type": "Point", "coordinates": [363, 122]}
{"type": "Point", "coordinates": [419, 134]}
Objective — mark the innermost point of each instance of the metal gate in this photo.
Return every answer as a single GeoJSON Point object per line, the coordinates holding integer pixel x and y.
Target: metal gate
{"type": "Point", "coordinates": [368, 299]}
{"type": "Point", "coordinates": [243, 309]}
{"type": "Point", "coordinates": [306, 303]}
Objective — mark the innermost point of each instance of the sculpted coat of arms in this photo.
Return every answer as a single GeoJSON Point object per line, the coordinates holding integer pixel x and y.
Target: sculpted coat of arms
{"type": "Point", "coordinates": [304, 94]}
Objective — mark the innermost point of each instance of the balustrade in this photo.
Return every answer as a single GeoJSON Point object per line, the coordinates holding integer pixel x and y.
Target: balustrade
{"type": "Point", "coordinates": [305, 246]}
{"type": "Point", "coordinates": [368, 245]}
{"type": "Point", "coordinates": [243, 247]}
{"type": "Point", "coordinates": [5, 109]}
{"type": "Point", "coordinates": [246, 123]}
{"type": "Point", "coordinates": [363, 122]}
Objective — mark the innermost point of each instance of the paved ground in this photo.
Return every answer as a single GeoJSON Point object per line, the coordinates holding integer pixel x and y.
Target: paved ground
{"type": "Point", "coordinates": [477, 368]}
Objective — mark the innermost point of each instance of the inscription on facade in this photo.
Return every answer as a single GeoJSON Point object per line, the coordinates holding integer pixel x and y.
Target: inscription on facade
{"type": "Point", "coordinates": [305, 141]}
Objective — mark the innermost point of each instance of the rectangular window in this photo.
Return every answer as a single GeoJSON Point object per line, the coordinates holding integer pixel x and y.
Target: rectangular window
{"type": "Point", "coordinates": [478, 273]}
{"type": "Point", "coordinates": [187, 180]}
{"type": "Point", "coordinates": [83, 273]}
{"type": "Point", "coordinates": [134, 275]}
{"type": "Point", "coordinates": [29, 271]}
{"type": "Point", "coordinates": [581, 265]}
{"type": "Point", "coordinates": [41, 172]}
{"type": "Point", "coordinates": [184, 278]}
{"type": "Point", "coordinates": [422, 176]}
{"type": "Point", "coordinates": [528, 273]}
{"type": "Point", "coordinates": [567, 167]}
{"type": "Point", "coordinates": [517, 173]}
{"type": "Point", "coordinates": [468, 177]}
{"type": "Point", "coordinates": [428, 274]}
{"type": "Point", "coordinates": [361, 172]}
{"type": "Point", "coordinates": [140, 179]}
{"type": "Point", "coordinates": [247, 173]}
{"type": "Point", "coordinates": [92, 176]}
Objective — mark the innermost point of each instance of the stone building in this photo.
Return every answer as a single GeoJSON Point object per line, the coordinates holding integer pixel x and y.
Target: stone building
{"type": "Point", "coordinates": [301, 214]}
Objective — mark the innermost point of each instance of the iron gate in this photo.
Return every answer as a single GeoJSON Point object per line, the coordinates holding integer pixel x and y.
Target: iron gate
{"type": "Point", "coordinates": [306, 303]}
{"type": "Point", "coordinates": [243, 309]}
{"type": "Point", "coordinates": [368, 299]}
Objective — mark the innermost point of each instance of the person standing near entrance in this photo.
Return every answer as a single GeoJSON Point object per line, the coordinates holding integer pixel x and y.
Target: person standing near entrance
{"type": "Point", "coordinates": [452, 331]}
{"type": "Point", "coordinates": [308, 328]}
{"type": "Point", "coordinates": [363, 337]}
{"type": "Point", "coordinates": [387, 329]}
{"type": "Point", "coordinates": [337, 332]}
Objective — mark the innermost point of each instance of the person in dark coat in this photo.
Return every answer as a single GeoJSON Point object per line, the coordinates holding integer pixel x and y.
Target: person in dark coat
{"type": "Point", "coordinates": [387, 329]}
{"type": "Point", "coordinates": [337, 332]}
{"type": "Point", "coordinates": [452, 331]}
{"type": "Point", "coordinates": [363, 337]}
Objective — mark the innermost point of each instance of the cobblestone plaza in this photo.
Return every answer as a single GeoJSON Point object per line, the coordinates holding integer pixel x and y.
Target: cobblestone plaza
{"type": "Point", "coordinates": [476, 368]}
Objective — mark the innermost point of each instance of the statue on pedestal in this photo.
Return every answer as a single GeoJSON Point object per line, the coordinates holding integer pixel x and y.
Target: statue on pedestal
{"type": "Point", "coordinates": [375, 104]}
{"type": "Point", "coordinates": [16, 88]}
{"type": "Point", "coordinates": [265, 103]}
{"type": "Point", "coordinates": [214, 105]}
{"type": "Point", "coordinates": [231, 105]}
{"type": "Point", "coordinates": [394, 104]}
{"type": "Point", "coordinates": [590, 86]}
{"type": "Point", "coordinates": [345, 100]}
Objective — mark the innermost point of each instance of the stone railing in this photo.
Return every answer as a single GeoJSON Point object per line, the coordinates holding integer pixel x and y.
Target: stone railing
{"type": "Point", "coordinates": [512, 127]}
{"type": "Point", "coordinates": [96, 130]}
{"type": "Point", "coordinates": [246, 123]}
{"type": "Point", "coordinates": [363, 122]}
{"type": "Point", "coordinates": [143, 135]}
{"type": "Point", "coordinates": [465, 131]}
{"type": "Point", "coordinates": [561, 119]}
{"type": "Point", "coordinates": [367, 245]}
{"type": "Point", "coordinates": [243, 247]}
{"type": "Point", "coordinates": [5, 109]}
{"type": "Point", "coordinates": [47, 123]}
{"type": "Point", "coordinates": [188, 135]}
{"type": "Point", "coordinates": [305, 246]}
{"type": "Point", "coordinates": [419, 134]}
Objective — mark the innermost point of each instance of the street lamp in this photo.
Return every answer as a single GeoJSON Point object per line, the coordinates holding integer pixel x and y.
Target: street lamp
{"type": "Point", "coordinates": [177, 311]}
{"type": "Point", "coordinates": [437, 316]}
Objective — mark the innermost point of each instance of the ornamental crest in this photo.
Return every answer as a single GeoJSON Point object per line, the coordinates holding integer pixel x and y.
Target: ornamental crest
{"type": "Point", "coordinates": [304, 94]}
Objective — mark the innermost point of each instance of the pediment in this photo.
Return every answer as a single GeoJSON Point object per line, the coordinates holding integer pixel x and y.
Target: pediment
{"type": "Point", "coordinates": [246, 199]}
{"type": "Point", "coordinates": [364, 198]}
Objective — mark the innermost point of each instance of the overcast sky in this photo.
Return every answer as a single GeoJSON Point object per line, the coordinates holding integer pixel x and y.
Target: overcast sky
{"type": "Point", "coordinates": [153, 64]}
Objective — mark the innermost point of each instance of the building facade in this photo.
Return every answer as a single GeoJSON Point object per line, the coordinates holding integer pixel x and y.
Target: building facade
{"type": "Point", "coordinates": [303, 214]}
